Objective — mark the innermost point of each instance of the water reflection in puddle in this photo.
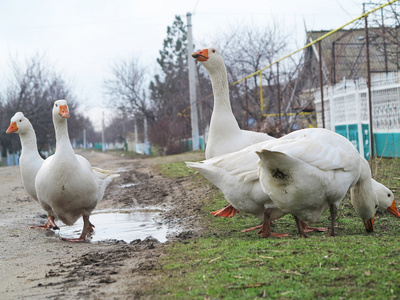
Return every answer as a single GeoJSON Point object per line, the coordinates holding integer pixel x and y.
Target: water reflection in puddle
{"type": "Point", "coordinates": [120, 225]}
{"type": "Point", "coordinates": [128, 185]}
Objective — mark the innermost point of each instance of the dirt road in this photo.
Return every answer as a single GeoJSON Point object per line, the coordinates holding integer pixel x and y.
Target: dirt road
{"type": "Point", "coordinates": [36, 264]}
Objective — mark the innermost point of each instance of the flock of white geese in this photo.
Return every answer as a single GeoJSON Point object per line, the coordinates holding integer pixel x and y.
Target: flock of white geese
{"type": "Point", "coordinates": [303, 173]}
{"type": "Point", "coordinates": [65, 184]}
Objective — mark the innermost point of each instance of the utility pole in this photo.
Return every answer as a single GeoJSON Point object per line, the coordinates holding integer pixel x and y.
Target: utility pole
{"type": "Point", "coordinates": [371, 131]}
{"type": "Point", "coordinates": [192, 86]}
{"type": "Point", "coordinates": [321, 84]}
{"type": "Point", "coordinates": [136, 138]}
{"type": "Point", "coordinates": [146, 137]}
{"type": "Point", "coordinates": [84, 138]}
{"type": "Point", "coordinates": [103, 145]}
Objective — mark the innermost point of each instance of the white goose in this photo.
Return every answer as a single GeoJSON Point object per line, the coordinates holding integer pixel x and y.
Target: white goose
{"type": "Point", "coordinates": [310, 170]}
{"type": "Point", "coordinates": [236, 175]}
{"type": "Point", "coordinates": [66, 182]}
{"type": "Point", "coordinates": [29, 161]}
{"type": "Point", "coordinates": [225, 136]}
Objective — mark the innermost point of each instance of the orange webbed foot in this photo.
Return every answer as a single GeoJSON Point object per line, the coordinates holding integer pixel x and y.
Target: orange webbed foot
{"type": "Point", "coordinates": [228, 211]}
{"type": "Point", "coordinates": [308, 229]}
{"type": "Point", "coordinates": [76, 240]}
{"type": "Point", "coordinates": [252, 228]}
{"type": "Point", "coordinates": [50, 224]}
{"type": "Point", "coordinates": [87, 230]}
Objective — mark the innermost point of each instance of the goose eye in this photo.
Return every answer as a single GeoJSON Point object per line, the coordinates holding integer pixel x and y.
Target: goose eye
{"type": "Point", "coordinates": [389, 195]}
{"type": "Point", "coordinates": [376, 206]}
{"type": "Point", "coordinates": [20, 121]}
{"type": "Point", "coordinates": [213, 50]}
{"type": "Point", "coordinates": [56, 105]}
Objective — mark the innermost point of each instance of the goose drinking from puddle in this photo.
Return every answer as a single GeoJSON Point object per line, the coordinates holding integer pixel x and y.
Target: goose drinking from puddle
{"type": "Point", "coordinates": [311, 170]}
{"type": "Point", "coordinates": [225, 136]}
{"type": "Point", "coordinates": [29, 161]}
{"type": "Point", "coordinates": [66, 182]}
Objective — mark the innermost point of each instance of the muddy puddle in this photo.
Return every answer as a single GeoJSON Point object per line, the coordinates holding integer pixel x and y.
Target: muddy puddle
{"type": "Point", "coordinates": [126, 225]}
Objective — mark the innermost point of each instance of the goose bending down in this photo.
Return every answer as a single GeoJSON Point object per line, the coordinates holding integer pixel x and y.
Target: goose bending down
{"type": "Point", "coordinates": [306, 172]}
{"type": "Point", "coordinates": [29, 161]}
{"type": "Point", "coordinates": [66, 182]}
{"type": "Point", "coordinates": [237, 176]}
{"type": "Point", "coordinates": [225, 136]}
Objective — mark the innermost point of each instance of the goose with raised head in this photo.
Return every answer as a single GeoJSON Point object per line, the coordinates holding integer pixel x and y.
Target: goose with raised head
{"type": "Point", "coordinates": [306, 172]}
{"type": "Point", "coordinates": [66, 182]}
{"type": "Point", "coordinates": [30, 161]}
{"type": "Point", "coordinates": [225, 136]}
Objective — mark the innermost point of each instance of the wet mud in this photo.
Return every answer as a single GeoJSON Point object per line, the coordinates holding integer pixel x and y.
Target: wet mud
{"type": "Point", "coordinates": [37, 264]}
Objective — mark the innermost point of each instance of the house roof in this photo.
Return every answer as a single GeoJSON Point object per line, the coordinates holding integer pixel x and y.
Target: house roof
{"type": "Point", "coordinates": [344, 52]}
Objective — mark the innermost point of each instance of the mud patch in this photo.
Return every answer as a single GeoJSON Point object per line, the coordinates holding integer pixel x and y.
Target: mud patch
{"type": "Point", "coordinates": [37, 265]}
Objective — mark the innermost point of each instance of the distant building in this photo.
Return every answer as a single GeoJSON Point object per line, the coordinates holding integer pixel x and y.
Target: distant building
{"type": "Point", "coordinates": [344, 54]}
{"type": "Point", "coordinates": [344, 68]}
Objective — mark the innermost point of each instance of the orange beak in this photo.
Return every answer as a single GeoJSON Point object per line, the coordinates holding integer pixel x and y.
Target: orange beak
{"type": "Point", "coordinates": [12, 128]}
{"type": "Point", "coordinates": [64, 113]}
{"type": "Point", "coordinates": [201, 55]}
{"type": "Point", "coordinates": [393, 210]}
{"type": "Point", "coordinates": [369, 225]}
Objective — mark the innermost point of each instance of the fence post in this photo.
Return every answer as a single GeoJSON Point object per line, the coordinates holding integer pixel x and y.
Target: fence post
{"type": "Point", "coordinates": [321, 82]}
{"type": "Point", "coordinates": [247, 104]}
{"type": "Point", "coordinates": [279, 92]}
{"type": "Point", "coordinates": [371, 132]}
{"type": "Point", "coordinates": [333, 80]}
{"type": "Point", "coordinates": [357, 99]}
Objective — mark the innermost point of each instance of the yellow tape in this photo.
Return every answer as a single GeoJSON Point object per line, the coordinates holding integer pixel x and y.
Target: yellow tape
{"type": "Point", "coordinates": [289, 114]}
{"type": "Point", "coordinates": [298, 50]}
{"type": "Point", "coordinates": [315, 41]}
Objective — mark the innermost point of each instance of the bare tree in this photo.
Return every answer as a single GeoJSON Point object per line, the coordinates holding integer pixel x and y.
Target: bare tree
{"type": "Point", "coordinates": [33, 89]}
{"type": "Point", "coordinates": [245, 51]}
{"type": "Point", "coordinates": [127, 89]}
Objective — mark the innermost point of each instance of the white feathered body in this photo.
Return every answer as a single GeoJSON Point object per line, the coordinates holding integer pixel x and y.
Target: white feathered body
{"type": "Point", "coordinates": [307, 171]}
{"type": "Point", "coordinates": [67, 183]}
{"type": "Point", "coordinates": [236, 175]}
{"type": "Point", "coordinates": [225, 135]}
{"type": "Point", "coordinates": [29, 162]}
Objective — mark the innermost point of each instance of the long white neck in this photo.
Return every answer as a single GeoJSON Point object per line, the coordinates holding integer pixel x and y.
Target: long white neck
{"type": "Point", "coordinates": [62, 138]}
{"type": "Point", "coordinates": [363, 196]}
{"type": "Point", "coordinates": [28, 141]}
{"type": "Point", "coordinates": [222, 115]}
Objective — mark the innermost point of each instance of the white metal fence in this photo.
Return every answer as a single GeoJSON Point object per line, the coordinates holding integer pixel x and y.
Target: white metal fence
{"type": "Point", "coordinates": [346, 111]}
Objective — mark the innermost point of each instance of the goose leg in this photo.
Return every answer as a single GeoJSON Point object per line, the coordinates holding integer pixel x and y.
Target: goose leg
{"type": "Point", "coordinates": [228, 211]}
{"type": "Point", "coordinates": [91, 230]}
{"type": "Point", "coordinates": [308, 229]}
{"type": "Point", "coordinates": [265, 230]}
{"type": "Point", "coordinates": [87, 228]}
{"type": "Point", "coordinates": [300, 227]}
{"type": "Point", "coordinates": [50, 224]}
{"type": "Point", "coordinates": [252, 228]}
{"type": "Point", "coordinates": [333, 210]}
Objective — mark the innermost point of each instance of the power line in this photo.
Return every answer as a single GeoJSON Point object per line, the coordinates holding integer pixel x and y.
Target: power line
{"type": "Point", "coordinates": [195, 6]}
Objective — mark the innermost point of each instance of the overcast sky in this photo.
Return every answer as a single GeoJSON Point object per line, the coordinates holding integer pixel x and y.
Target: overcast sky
{"type": "Point", "coordinates": [83, 38]}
